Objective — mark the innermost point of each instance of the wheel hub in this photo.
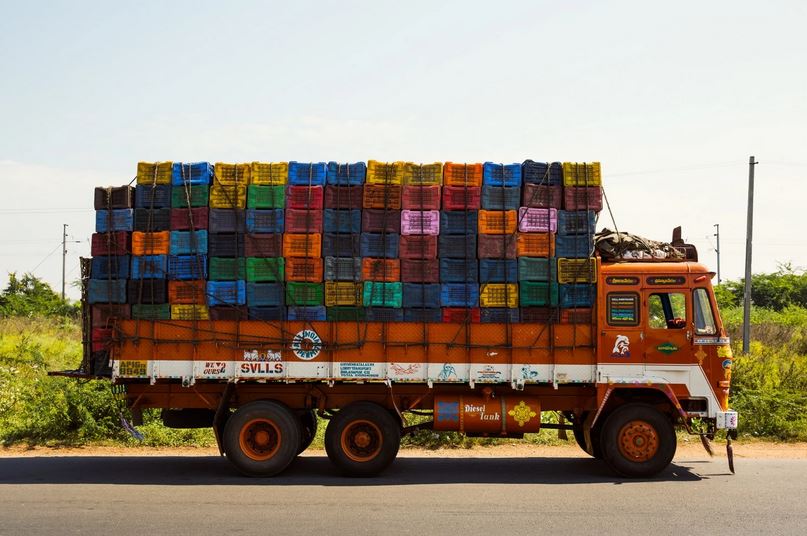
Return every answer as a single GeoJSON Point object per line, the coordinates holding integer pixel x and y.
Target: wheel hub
{"type": "Point", "coordinates": [259, 439]}
{"type": "Point", "coordinates": [361, 441]}
{"type": "Point", "coordinates": [638, 441]}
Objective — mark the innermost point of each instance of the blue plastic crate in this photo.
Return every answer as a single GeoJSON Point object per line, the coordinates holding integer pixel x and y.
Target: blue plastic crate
{"type": "Point", "coordinates": [106, 291]}
{"type": "Point", "coordinates": [421, 295]}
{"type": "Point", "coordinates": [423, 315]}
{"type": "Point", "coordinates": [549, 174]}
{"type": "Point", "coordinates": [187, 267]}
{"type": "Point", "coordinates": [458, 222]}
{"type": "Point", "coordinates": [149, 267]}
{"type": "Point", "coordinates": [459, 270]}
{"type": "Point", "coordinates": [191, 173]}
{"type": "Point", "coordinates": [498, 315]}
{"type": "Point", "coordinates": [110, 267]}
{"type": "Point", "coordinates": [574, 246]}
{"type": "Point", "coordinates": [459, 295]}
{"type": "Point", "coordinates": [384, 314]}
{"type": "Point", "coordinates": [226, 293]}
{"type": "Point", "coordinates": [346, 174]}
{"type": "Point", "coordinates": [498, 271]}
{"type": "Point", "coordinates": [188, 243]}
{"type": "Point", "coordinates": [379, 245]}
{"type": "Point", "coordinates": [307, 313]}
{"type": "Point", "coordinates": [147, 196]}
{"type": "Point", "coordinates": [345, 221]}
{"type": "Point", "coordinates": [265, 220]}
{"type": "Point", "coordinates": [226, 220]}
{"type": "Point", "coordinates": [266, 313]}
{"type": "Point", "coordinates": [119, 219]}
{"type": "Point", "coordinates": [494, 174]}
{"type": "Point", "coordinates": [576, 222]}
{"type": "Point", "coordinates": [307, 173]}
{"type": "Point", "coordinates": [265, 294]}
{"type": "Point", "coordinates": [501, 197]}
{"type": "Point", "coordinates": [456, 246]}
{"type": "Point", "coordinates": [576, 295]}
{"type": "Point", "coordinates": [148, 220]}
{"type": "Point", "coordinates": [341, 245]}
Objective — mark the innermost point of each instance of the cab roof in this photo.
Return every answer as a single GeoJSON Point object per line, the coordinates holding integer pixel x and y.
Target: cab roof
{"type": "Point", "coordinates": [656, 267]}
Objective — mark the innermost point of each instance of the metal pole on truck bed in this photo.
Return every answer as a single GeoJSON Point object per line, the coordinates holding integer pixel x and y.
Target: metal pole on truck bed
{"type": "Point", "coordinates": [748, 236]}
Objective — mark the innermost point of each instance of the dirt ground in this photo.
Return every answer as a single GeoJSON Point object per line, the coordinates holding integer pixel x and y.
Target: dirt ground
{"type": "Point", "coordinates": [686, 450]}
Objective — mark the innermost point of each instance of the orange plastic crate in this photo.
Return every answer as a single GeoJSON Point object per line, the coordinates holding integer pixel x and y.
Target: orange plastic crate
{"type": "Point", "coordinates": [462, 174]}
{"type": "Point", "coordinates": [384, 270]}
{"type": "Point", "coordinates": [187, 292]}
{"type": "Point", "coordinates": [535, 245]}
{"type": "Point", "coordinates": [382, 196]}
{"type": "Point", "coordinates": [306, 269]}
{"type": "Point", "coordinates": [156, 243]}
{"type": "Point", "coordinates": [498, 221]}
{"type": "Point", "coordinates": [302, 245]}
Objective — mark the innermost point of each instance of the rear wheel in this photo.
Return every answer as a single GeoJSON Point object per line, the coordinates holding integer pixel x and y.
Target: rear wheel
{"type": "Point", "coordinates": [638, 440]}
{"type": "Point", "coordinates": [362, 439]}
{"type": "Point", "coordinates": [262, 438]}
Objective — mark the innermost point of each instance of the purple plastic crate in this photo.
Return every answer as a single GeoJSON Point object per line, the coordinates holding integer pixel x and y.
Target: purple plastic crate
{"type": "Point", "coordinates": [420, 222]}
{"type": "Point", "coordinates": [537, 220]}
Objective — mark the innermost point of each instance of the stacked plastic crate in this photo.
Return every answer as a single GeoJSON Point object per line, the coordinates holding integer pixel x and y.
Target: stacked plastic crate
{"type": "Point", "coordinates": [576, 268]}
{"type": "Point", "coordinates": [344, 186]}
{"type": "Point", "coordinates": [302, 241]}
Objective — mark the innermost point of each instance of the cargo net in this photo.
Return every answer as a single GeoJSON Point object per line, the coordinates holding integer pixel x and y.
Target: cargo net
{"type": "Point", "coordinates": [351, 244]}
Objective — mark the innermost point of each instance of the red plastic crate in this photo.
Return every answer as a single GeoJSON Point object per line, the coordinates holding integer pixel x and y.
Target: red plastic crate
{"type": "Point", "coordinates": [375, 220]}
{"type": "Point", "coordinates": [541, 196]}
{"type": "Point", "coordinates": [308, 270]}
{"type": "Point", "coordinates": [461, 314]}
{"type": "Point", "coordinates": [187, 292]}
{"type": "Point", "coordinates": [421, 197]}
{"type": "Point", "coordinates": [576, 316]}
{"type": "Point", "coordinates": [303, 220]}
{"type": "Point", "coordinates": [103, 315]}
{"type": "Point", "coordinates": [117, 243]}
{"type": "Point", "coordinates": [462, 198]}
{"type": "Point", "coordinates": [418, 247]}
{"type": "Point", "coordinates": [305, 197]}
{"type": "Point", "coordinates": [384, 270]}
{"type": "Point", "coordinates": [382, 196]}
{"type": "Point", "coordinates": [101, 337]}
{"type": "Point", "coordinates": [496, 246]}
{"type": "Point", "coordinates": [185, 219]}
{"type": "Point", "coordinates": [420, 270]}
{"type": "Point", "coordinates": [343, 196]}
{"type": "Point", "coordinates": [263, 245]}
{"type": "Point", "coordinates": [582, 198]}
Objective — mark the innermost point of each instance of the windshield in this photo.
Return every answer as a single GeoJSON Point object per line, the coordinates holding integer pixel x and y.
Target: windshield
{"type": "Point", "coordinates": [704, 318]}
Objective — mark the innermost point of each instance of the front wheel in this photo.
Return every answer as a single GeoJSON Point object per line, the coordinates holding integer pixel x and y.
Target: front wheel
{"type": "Point", "coordinates": [362, 439]}
{"type": "Point", "coordinates": [638, 441]}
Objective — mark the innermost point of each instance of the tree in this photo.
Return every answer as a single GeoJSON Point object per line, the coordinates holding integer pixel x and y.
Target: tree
{"type": "Point", "coordinates": [30, 296]}
{"type": "Point", "coordinates": [779, 290]}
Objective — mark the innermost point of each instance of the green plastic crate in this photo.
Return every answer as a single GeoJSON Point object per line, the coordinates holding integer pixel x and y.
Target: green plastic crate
{"type": "Point", "coordinates": [199, 194]}
{"type": "Point", "coordinates": [537, 294]}
{"type": "Point", "coordinates": [260, 196]}
{"type": "Point", "coordinates": [145, 311]}
{"type": "Point", "coordinates": [304, 293]}
{"type": "Point", "coordinates": [377, 294]}
{"type": "Point", "coordinates": [345, 313]}
{"type": "Point", "coordinates": [226, 269]}
{"type": "Point", "coordinates": [266, 269]}
{"type": "Point", "coordinates": [536, 269]}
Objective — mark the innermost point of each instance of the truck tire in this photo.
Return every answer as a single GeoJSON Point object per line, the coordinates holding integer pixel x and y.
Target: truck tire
{"type": "Point", "coordinates": [638, 441]}
{"type": "Point", "coordinates": [362, 439]}
{"type": "Point", "coordinates": [262, 438]}
{"type": "Point", "coordinates": [594, 436]}
{"type": "Point", "coordinates": [308, 429]}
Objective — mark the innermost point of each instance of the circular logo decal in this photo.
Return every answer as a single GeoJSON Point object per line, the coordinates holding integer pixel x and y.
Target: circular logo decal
{"type": "Point", "coordinates": [306, 344]}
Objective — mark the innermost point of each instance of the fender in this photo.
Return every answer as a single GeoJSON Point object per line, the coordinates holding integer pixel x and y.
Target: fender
{"type": "Point", "coordinates": [604, 392]}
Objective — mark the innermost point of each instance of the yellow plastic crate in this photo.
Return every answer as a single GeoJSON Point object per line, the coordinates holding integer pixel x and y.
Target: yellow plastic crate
{"type": "Point", "coordinates": [577, 270]}
{"type": "Point", "coordinates": [384, 172]}
{"type": "Point", "coordinates": [154, 172]}
{"type": "Point", "coordinates": [582, 174]}
{"type": "Point", "coordinates": [422, 174]}
{"type": "Point", "coordinates": [189, 312]}
{"type": "Point", "coordinates": [228, 196]}
{"type": "Point", "coordinates": [498, 221]}
{"type": "Point", "coordinates": [498, 295]}
{"type": "Point", "coordinates": [231, 173]}
{"type": "Point", "coordinates": [269, 173]}
{"type": "Point", "coordinates": [342, 293]}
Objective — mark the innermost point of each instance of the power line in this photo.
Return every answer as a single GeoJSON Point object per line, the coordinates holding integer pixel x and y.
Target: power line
{"type": "Point", "coordinates": [59, 245]}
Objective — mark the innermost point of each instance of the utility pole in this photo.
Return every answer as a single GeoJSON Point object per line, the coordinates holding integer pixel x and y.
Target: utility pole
{"type": "Point", "coordinates": [64, 255]}
{"type": "Point", "coordinates": [717, 250]}
{"type": "Point", "coordinates": [748, 239]}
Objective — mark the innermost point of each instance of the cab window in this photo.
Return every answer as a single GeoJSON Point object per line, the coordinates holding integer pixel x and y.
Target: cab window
{"type": "Point", "coordinates": [667, 310]}
{"type": "Point", "coordinates": [704, 317]}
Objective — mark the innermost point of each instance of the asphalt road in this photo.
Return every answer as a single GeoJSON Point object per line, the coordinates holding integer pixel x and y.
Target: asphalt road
{"type": "Point", "coordinates": [148, 495]}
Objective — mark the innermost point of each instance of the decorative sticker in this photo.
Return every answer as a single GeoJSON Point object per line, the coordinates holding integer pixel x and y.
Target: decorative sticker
{"type": "Point", "coordinates": [725, 352]}
{"type": "Point", "coordinates": [701, 355]}
{"type": "Point", "coordinates": [666, 280]}
{"type": "Point", "coordinates": [623, 308]}
{"type": "Point", "coordinates": [621, 346]}
{"type": "Point", "coordinates": [448, 411]}
{"type": "Point", "coordinates": [306, 345]}
{"type": "Point", "coordinates": [667, 348]}
{"type": "Point", "coordinates": [522, 413]}
{"type": "Point", "coordinates": [409, 370]}
{"type": "Point", "coordinates": [448, 373]}
{"type": "Point", "coordinates": [622, 280]}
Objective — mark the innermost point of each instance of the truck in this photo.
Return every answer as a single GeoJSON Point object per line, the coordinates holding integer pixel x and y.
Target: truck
{"type": "Point", "coordinates": [649, 356]}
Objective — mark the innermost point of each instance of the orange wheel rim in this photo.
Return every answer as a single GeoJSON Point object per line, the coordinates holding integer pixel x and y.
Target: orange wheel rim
{"type": "Point", "coordinates": [361, 441]}
{"type": "Point", "coordinates": [638, 441]}
{"type": "Point", "coordinates": [259, 439]}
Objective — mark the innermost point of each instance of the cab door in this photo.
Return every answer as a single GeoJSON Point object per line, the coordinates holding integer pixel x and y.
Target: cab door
{"type": "Point", "coordinates": [668, 333]}
{"type": "Point", "coordinates": [621, 344]}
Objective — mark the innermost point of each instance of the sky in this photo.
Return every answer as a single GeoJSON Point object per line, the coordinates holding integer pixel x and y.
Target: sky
{"type": "Point", "coordinates": [672, 98]}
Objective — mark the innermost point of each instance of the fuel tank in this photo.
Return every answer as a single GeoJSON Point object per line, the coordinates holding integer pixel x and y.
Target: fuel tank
{"type": "Point", "coordinates": [487, 414]}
